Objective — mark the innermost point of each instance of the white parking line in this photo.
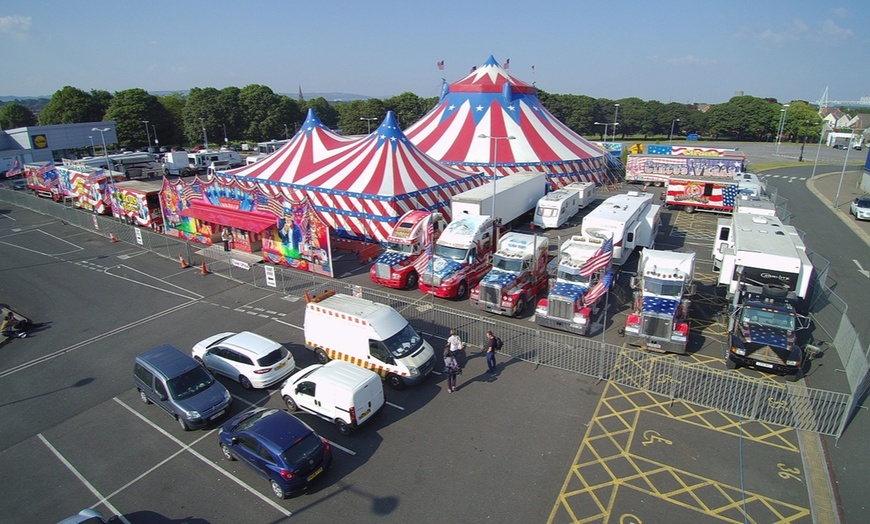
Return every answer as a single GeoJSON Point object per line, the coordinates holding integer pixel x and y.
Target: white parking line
{"type": "Point", "coordinates": [198, 455]}
{"type": "Point", "coordinates": [82, 479]}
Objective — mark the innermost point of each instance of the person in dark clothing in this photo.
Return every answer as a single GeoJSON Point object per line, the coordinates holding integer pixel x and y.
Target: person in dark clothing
{"type": "Point", "coordinates": [451, 368]}
{"type": "Point", "coordinates": [491, 348]}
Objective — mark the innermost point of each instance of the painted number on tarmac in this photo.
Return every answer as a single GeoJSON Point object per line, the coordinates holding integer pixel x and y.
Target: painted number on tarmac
{"type": "Point", "coordinates": [652, 436]}
{"type": "Point", "coordinates": [787, 473]}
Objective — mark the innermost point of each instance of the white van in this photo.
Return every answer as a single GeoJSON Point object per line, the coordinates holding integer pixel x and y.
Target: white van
{"type": "Point", "coordinates": [374, 336]}
{"type": "Point", "coordinates": [556, 207]}
{"type": "Point", "coordinates": [337, 391]}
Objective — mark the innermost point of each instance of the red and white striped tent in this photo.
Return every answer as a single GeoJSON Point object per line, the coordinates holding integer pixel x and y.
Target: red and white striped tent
{"type": "Point", "coordinates": [359, 186]}
{"type": "Point", "coordinates": [493, 103]}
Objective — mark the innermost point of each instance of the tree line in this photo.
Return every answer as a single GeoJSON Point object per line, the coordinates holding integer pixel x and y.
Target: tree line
{"type": "Point", "coordinates": [255, 113]}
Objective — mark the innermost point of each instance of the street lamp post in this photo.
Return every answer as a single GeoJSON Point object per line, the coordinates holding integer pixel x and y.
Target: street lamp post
{"type": "Point", "coordinates": [93, 152]}
{"type": "Point", "coordinates": [782, 117]}
{"type": "Point", "coordinates": [368, 122]}
{"type": "Point", "coordinates": [606, 125]}
{"type": "Point", "coordinates": [671, 136]}
{"type": "Point", "coordinates": [843, 173]}
{"type": "Point", "coordinates": [818, 149]}
{"type": "Point", "coordinates": [495, 140]}
{"type": "Point", "coordinates": [204, 134]}
{"type": "Point", "coordinates": [105, 150]}
{"type": "Point", "coordinates": [156, 142]}
{"type": "Point", "coordinates": [226, 140]}
{"type": "Point", "coordinates": [615, 121]}
{"type": "Point", "coordinates": [147, 134]}
{"type": "Point", "coordinates": [286, 132]}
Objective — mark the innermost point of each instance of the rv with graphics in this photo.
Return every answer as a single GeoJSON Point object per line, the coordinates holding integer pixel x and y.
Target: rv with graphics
{"type": "Point", "coordinates": [518, 274]}
{"type": "Point", "coordinates": [631, 219]}
{"type": "Point", "coordinates": [657, 169]}
{"type": "Point", "coordinates": [659, 317]}
{"type": "Point", "coordinates": [137, 202]}
{"type": "Point", "coordinates": [557, 207]}
{"type": "Point", "coordinates": [463, 255]}
{"type": "Point", "coordinates": [408, 250]}
{"type": "Point", "coordinates": [566, 307]}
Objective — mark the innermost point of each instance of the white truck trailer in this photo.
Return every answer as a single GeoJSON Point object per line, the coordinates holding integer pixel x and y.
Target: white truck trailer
{"type": "Point", "coordinates": [632, 219]}
{"type": "Point", "coordinates": [514, 196]}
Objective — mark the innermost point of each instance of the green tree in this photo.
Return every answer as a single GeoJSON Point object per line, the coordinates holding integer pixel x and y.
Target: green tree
{"type": "Point", "coordinates": [353, 116]}
{"type": "Point", "coordinates": [14, 115]}
{"type": "Point", "coordinates": [802, 121]}
{"type": "Point", "coordinates": [172, 133]}
{"type": "Point", "coordinates": [129, 109]}
{"type": "Point", "coordinates": [103, 99]}
{"type": "Point", "coordinates": [230, 113]}
{"type": "Point", "coordinates": [71, 105]}
{"type": "Point", "coordinates": [200, 115]}
{"type": "Point", "coordinates": [633, 118]}
{"type": "Point", "coordinates": [327, 114]}
{"type": "Point", "coordinates": [408, 108]}
{"type": "Point", "coordinates": [744, 117]}
{"type": "Point", "coordinates": [267, 115]}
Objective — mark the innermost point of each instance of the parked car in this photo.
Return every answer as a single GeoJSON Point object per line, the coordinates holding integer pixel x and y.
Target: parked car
{"type": "Point", "coordinates": [861, 208]}
{"type": "Point", "coordinates": [840, 146]}
{"type": "Point", "coordinates": [278, 446]}
{"type": "Point", "coordinates": [252, 360]}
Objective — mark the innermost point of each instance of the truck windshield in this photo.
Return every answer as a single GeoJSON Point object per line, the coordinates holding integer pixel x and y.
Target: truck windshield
{"type": "Point", "coordinates": [664, 288]}
{"type": "Point", "coordinates": [514, 265]}
{"type": "Point", "coordinates": [456, 253]}
{"type": "Point", "coordinates": [769, 318]}
{"type": "Point", "coordinates": [401, 248]}
{"type": "Point", "coordinates": [404, 343]}
{"type": "Point", "coordinates": [573, 277]}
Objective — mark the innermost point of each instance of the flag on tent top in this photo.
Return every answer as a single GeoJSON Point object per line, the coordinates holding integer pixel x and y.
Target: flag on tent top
{"type": "Point", "coordinates": [440, 65]}
{"type": "Point", "coordinates": [599, 289]}
{"type": "Point", "coordinates": [473, 69]}
{"type": "Point", "coordinates": [600, 260]}
{"type": "Point", "coordinates": [507, 63]}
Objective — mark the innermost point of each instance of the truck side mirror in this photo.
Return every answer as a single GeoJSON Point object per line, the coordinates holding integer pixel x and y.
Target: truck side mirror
{"type": "Point", "coordinates": [634, 281]}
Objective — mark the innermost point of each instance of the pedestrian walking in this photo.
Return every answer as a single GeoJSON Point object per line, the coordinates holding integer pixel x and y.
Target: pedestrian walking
{"type": "Point", "coordinates": [226, 238]}
{"type": "Point", "coordinates": [454, 343]}
{"type": "Point", "coordinates": [451, 368]}
{"type": "Point", "coordinates": [493, 344]}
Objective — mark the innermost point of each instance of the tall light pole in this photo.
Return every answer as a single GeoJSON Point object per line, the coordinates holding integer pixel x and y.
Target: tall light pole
{"type": "Point", "coordinates": [368, 121]}
{"type": "Point", "coordinates": [226, 140]}
{"type": "Point", "coordinates": [286, 133]}
{"type": "Point", "coordinates": [93, 152]}
{"type": "Point", "coordinates": [819, 149]}
{"type": "Point", "coordinates": [147, 134]}
{"type": "Point", "coordinates": [156, 142]}
{"type": "Point", "coordinates": [606, 125]}
{"type": "Point", "coordinates": [671, 136]}
{"type": "Point", "coordinates": [615, 121]}
{"type": "Point", "coordinates": [843, 173]}
{"type": "Point", "coordinates": [495, 140]}
{"type": "Point", "coordinates": [204, 134]}
{"type": "Point", "coordinates": [782, 117]}
{"type": "Point", "coordinates": [105, 151]}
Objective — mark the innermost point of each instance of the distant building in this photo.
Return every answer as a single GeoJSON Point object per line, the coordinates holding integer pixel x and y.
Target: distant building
{"type": "Point", "coordinates": [35, 144]}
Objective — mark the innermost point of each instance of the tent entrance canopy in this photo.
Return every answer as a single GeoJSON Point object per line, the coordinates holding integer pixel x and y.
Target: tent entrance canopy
{"type": "Point", "coordinates": [244, 220]}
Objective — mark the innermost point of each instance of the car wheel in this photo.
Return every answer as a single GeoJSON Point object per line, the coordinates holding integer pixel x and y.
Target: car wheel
{"type": "Point", "coordinates": [462, 290]}
{"type": "Point", "coordinates": [792, 377]}
{"type": "Point", "coordinates": [395, 382]}
{"type": "Point", "coordinates": [321, 355]}
{"type": "Point", "coordinates": [143, 397]}
{"type": "Point", "coordinates": [182, 423]}
{"type": "Point", "coordinates": [413, 278]}
{"type": "Point", "coordinates": [343, 427]}
{"type": "Point", "coordinates": [226, 451]}
{"type": "Point", "coordinates": [291, 404]}
{"type": "Point", "coordinates": [243, 380]}
{"type": "Point", "coordinates": [278, 490]}
{"type": "Point", "coordinates": [521, 308]}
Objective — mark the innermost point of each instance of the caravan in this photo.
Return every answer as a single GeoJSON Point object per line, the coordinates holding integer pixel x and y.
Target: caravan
{"type": "Point", "coordinates": [218, 160]}
{"type": "Point", "coordinates": [555, 208]}
{"type": "Point", "coordinates": [631, 218]}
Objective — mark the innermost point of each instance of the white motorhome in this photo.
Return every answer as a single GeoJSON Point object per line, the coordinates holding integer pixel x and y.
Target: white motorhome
{"type": "Point", "coordinates": [370, 335]}
{"type": "Point", "coordinates": [630, 218]}
{"type": "Point", "coordinates": [514, 196]}
{"type": "Point", "coordinates": [557, 207]}
{"type": "Point", "coordinates": [219, 160]}
{"type": "Point", "coordinates": [760, 250]}
{"type": "Point", "coordinates": [338, 391]}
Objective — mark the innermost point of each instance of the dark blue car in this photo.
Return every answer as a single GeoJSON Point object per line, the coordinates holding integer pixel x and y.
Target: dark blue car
{"type": "Point", "coordinates": [278, 446]}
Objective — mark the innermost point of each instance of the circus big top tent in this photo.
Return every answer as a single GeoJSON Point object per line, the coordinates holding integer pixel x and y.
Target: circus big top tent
{"type": "Point", "coordinates": [493, 103]}
{"type": "Point", "coordinates": [359, 186]}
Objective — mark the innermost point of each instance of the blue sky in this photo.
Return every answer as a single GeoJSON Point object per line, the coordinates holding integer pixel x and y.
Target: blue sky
{"type": "Point", "coordinates": [667, 51]}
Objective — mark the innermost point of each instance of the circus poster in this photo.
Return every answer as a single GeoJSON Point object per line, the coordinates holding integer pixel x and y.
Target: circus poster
{"type": "Point", "coordinates": [299, 240]}
{"type": "Point", "coordinates": [175, 199]}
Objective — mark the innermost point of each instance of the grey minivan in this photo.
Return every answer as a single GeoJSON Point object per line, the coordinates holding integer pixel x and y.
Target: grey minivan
{"type": "Point", "coordinates": [180, 386]}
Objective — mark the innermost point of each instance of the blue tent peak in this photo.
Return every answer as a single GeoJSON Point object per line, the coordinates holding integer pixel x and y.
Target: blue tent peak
{"type": "Point", "coordinates": [491, 61]}
{"type": "Point", "coordinates": [389, 130]}
{"type": "Point", "coordinates": [311, 121]}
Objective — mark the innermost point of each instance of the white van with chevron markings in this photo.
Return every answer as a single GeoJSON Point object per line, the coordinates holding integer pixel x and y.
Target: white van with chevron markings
{"type": "Point", "coordinates": [370, 335]}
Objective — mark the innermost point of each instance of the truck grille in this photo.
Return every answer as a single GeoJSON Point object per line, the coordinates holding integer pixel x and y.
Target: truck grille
{"type": "Point", "coordinates": [560, 308]}
{"type": "Point", "coordinates": [490, 294]}
{"type": "Point", "coordinates": [656, 327]}
{"type": "Point", "coordinates": [431, 279]}
{"type": "Point", "coordinates": [382, 270]}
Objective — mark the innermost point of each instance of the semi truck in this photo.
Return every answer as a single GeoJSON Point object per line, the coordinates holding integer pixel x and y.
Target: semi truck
{"type": "Point", "coordinates": [408, 250]}
{"type": "Point", "coordinates": [567, 306]}
{"type": "Point", "coordinates": [659, 316]}
{"type": "Point", "coordinates": [518, 275]}
{"type": "Point", "coordinates": [557, 207]}
{"type": "Point", "coordinates": [137, 202]}
{"type": "Point", "coordinates": [513, 196]}
{"type": "Point", "coordinates": [463, 255]}
{"type": "Point", "coordinates": [631, 219]}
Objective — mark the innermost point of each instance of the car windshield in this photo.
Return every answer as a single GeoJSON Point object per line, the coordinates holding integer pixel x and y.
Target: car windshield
{"type": "Point", "coordinates": [401, 248]}
{"type": "Point", "coordinates": [253, 418]}
{"type": "Point", "coordinates": [667, 288]}
{"type": "Point", "coordinates": [514, 265]}
{"type": "Point", "coordinates": [404, 343]}
{"type": "Point", "coordinates": [862, 202]}
{"type": "Point", "coordinates": [769, 318]}
{"type": "Point", "coordinates": [273, 357]}
{"type": "Point", "coordinates": [218, 341]}
{"type": "Point", "coordinates": [573, 277]}
{"type": "Point", "coordinates": [190, 383]}
{"type": "Point", "coordinates": [308, 448]}
{"type": "Point", "coordinates": [455, 253]}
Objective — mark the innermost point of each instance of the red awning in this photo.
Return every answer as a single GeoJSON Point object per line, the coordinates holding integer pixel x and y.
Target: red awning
{"type": "Point", "coordinates": [245, 220]}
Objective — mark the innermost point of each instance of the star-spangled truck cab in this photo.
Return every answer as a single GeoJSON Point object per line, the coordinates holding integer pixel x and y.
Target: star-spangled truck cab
{"type": "Point", "coordinates": [564, 306]}
{"type": "Point", "coordinates": [518, 274]}
{"type": "Point", "coordinates": [408, 250]}
{"type": "Point", "coordinates": [463, 255]}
